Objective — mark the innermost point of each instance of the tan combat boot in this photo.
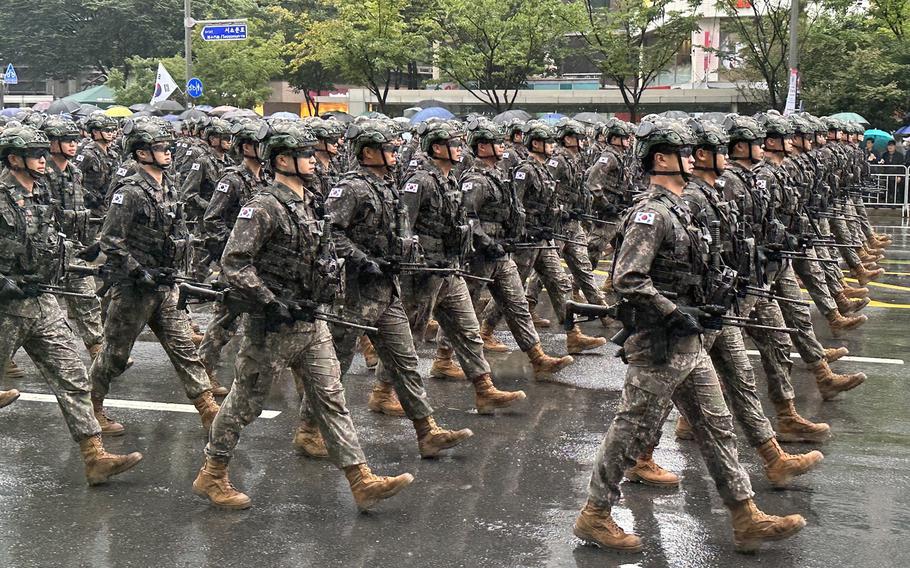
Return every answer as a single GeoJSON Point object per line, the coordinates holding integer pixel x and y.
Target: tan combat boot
{"type": "Point", "coordinates": [197, 338]}
{"type": "Point", "coordinates": [490, 343]}
{"type": "Point", "coordinates": [538, 321]}
{"type": "Point", "coordinates": [832, 354]}
{"type": "Point", "coordinates": [308, 441]}
{"type": "Point", "coordinates": [13, 371]}
{"type": "Point", "coordinates": [595, 525]}
{"type": "Point", "coordinates": [207, 408]}
{"type": "Point", "coordinates": [384, 400]}
{"type": "Point", "coordinates": [445, 367]}
{"type": "Point", "coordinates": [791, 427]}
{"type": "Point", "coordinates": [369, 489]}
{"type": "Point", "coordinates": [576, 341]}
{"type": "Point", "coordinates": [647, 472]}
{"type": "Point", "coordinates": [847, 306]}
{"type": "Point", "coordinates": [543, 364]}
{"type": "Point", "coordinates": [431, 439]}
{"type": "Point", "coordinates": [864, 276]}
{"type": "Point", "coordinates": [781, 467]}
{"type": "Point", "coordinates": [214, 484]}
{"type": "Point", "coordinates": [429, 335]}
{"type": "Point", "coordinates": [607, 286]}
{"type": "Point", "coordinates": [108, 427]}
{"type": "Point", "coordinates": [840, 324]}
{"type": "Point", "coordinates": [852, 293]}
{"type": "Point", "coordinates": [8, 397]}
{"type": "Point", "coordinates": [751, 527]}
{"type": "Point", "coordinates": [488, 398]}
{"type": "Point", "coordinates": [369, 352]}
{"type": "Point", "coordinates": [882, 238]}
{"type": "Point", "coordinates": [684, 429]}
{"type": "Point", "coordinates": [217, 388]}
{"type": "Point", "coordinates": [94, 350]}
{"type": "Point", "coordinates": [100, 465]}
{"type": "Point", "coordinates": [830, 384]}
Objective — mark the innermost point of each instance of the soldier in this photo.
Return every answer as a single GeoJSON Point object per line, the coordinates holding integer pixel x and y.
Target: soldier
{"type": "Point", "coordinates": [233, 190]}
{"type": "Point", "coordinates": [64, 183]}
{"type": "Point", "coordinates": [438, 218]}
{"type": "Point", "coordinates": [515, 151]}
{"type": "Point", "coordinates": [31, 246]}
{"type": "Point", "coordinates": [499, 224]}
{"type": "Point", "coordinates": [147, 245]}
{"type": "Point", "coordinates": [660, 250]}
{"type": "Point", "coordinates": [536, 189]}
{"type": "Point", "coordinates": [370, 228]}
{"type": "Point", "coordinates": [271, 259]}
{"type": "Point", "coordinates": [97, 159]}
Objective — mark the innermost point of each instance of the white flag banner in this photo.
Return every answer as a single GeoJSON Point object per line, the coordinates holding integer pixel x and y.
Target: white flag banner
{"type": "Point", "coordinates": [164, 85]}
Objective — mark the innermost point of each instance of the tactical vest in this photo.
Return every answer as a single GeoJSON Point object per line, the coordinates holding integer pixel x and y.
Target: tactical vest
{"type": "Point", "coordinates": [501, 214]}
{"type": "Point", "coordinates": [441, 213]}
{"type": "Point", "coordinates": [158, 237]}
{"type": "Point", "coordinates": [381, 222]}
{"type": "Point", "coordinates": [540, 201]}
{"type": "Point", "coordinates": [30, 243]}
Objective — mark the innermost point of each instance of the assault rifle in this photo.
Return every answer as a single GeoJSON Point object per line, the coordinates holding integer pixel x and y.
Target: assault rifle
{"type": "Point", "coordinates": [547, 234]}
{"type": "Point", "coordinates": [574, 214]}
{"type": "Point", "coordinates": [32, 287]}
{"type": "Point", "coordinates": [441, 271]}
{"type": "Point", "coordinates": [515, 245]}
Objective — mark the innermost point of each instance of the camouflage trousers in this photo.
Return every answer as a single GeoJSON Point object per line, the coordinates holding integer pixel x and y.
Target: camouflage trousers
{"type": "Point", "coordinates": [51, 345]}
{"type": "Point", "coordinates": [798, 316]}
{"type": "Point", "coordinates": [508, 292]}
{"type": "Point", "coordinates": [394, 344]}
{"type": "Point", "coordinates": [449, 302]}
{"type": "Point", "coordinates": [84, 313]}
{"type": "Point", "coordinates": [687, 379]}
{"type": "Point", "coordinates": [579, 266]}
{"type": "Point", "coordinates": [600, 239]}
{"type": "Point", "coordinates": [219, 332]}
{"type": "Point", "coordinates": [813, 277]}
{"type": "Point", "coordinates": [833, 274]}
{"type": "Point", "coordinates": [306, 348]}
{"type": "Point", "coordinates": [843, 236]}
{"type": "Point", "coordinates": [773, 346]}
{"type": "Point", "coordinates": [549, 269]}
{"type": "Point", "coordinates": [130, 309]}
{"type": "Point", "coordinates": [865, 225]}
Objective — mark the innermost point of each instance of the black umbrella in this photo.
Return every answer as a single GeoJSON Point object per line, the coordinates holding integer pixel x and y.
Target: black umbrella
{"type": "Point", "coordinates": [240, 113]}
{"type": "Point", "coordinates": [139, 107]}
{"type": "Point", "coordinates": [141, 113]}
{"type": "Point", "coordinates": [514, 114]}
{"type": "Point", "coordinates": [63, 106]}
{"type": "Point", "coordinates": [168, 106]}
{"type": "Point", "coordinates": [338, 115]}
{"type": "Point", "coordinates": [192, 113]}
{"type": "Point", "coordinates": [86, 109]}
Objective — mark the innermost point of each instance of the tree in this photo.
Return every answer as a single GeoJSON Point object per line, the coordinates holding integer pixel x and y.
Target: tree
{"type": "Point", "coordinates": [368, 41]}
{"type": "Point", "coordinates": [491, 47]}
{"type": "Point", "coordinates": [305, 76]}
{"type": "Point", "coordinates": [632, 41]}
{"type": "Point", "coordinates": [894, 15]}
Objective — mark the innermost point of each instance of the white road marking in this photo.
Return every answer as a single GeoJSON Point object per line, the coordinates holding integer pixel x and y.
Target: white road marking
{"type": "Point", "coordinates": [847, 358]}
{"type": "Point", "coordinates": [136, 404]}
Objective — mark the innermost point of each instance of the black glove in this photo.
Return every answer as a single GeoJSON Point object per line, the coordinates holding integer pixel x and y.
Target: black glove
{"type": "Point", "coordinates": [144, 278]}
{"type": "Point", "coordinates": [682, 322]}
{"type": "Point", "coordinates": [91, 252]}
{"type": "Point", "coordinates": [494, 251]}
{"type": "Point", "coordinates": [9, 290]}
{"type": "Point", "coordinates": [389, 266]}
{"type": "Point", "coordinates": [276, 315]}
{"type": "Point", "coordinates": [369, 268]}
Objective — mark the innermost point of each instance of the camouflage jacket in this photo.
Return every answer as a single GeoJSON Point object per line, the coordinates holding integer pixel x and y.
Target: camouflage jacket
{"type": "Point", "coordinates": [237, 186]}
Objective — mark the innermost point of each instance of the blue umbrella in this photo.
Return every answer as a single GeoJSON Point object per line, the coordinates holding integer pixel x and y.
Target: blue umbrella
{"type": "Point", "coordinates": [551, 118]}
{"type": "Point", "coordinates": [880, 137]}
{"type": "Point", "coordinates": [10, 111]}
{"type": "Point", "coordinates": [903, 130]}
{"type": "Point", "coordinates": [285, 115]}
{"type": "Point", "coordinates": [171, 117]}
{"type": "Point", "coordinates": [432, 112]}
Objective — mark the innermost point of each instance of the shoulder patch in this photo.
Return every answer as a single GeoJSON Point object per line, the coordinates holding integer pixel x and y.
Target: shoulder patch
{"type": "Point", "coordinates": [761, 183]}
{"type": "Point", "coordinates": [336, 192]}
{"type": "Point", "coordinates": [411, 187]}
{"type": "Point", "coordinates": [505, 154]}
{"type": "Point", "coordinates": [721, 182]}
{"type": "Point", "coordinates": [520, 175]}
{"type": "Point", "coordinates": [245, 213]}
{"type": "Point", "coordinates": [117, 199]}
{"type": "Point", "coordinates": [553, 163]}
{"type": "Point", "coordinates": [645, 217]}
{"type": "Point", "coordinates": [412, 164]}
{"type": "Point", "coordinates": [80, 157]}
{"type": "Point", "coordinates": [603, 160]}
{"type": "Point", "coordinates": [467, 186]}
{"type": "Point", "coordinates": [121, 171]}
{"type": "Point", "coordinates": [222, 187]}
{"type": "Point", "coordinates": [189, 152]}
{"type": "Point", "coordinates": [195, 167]}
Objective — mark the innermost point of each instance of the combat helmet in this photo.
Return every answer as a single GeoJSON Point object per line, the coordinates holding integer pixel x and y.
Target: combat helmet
{"type": "Point", "coordinates": [538, 130]}
{"type": "Point", "coordinates": [281, 137]}
{"type": "Point", "coordinates": [25, 141]}
{"type": "Point", "coordinates": [368, 132]}
{"type": "Point", "coordinates": [570, 127]}
{"type": "Point", "coordinates": [99, 121]}
{"type": "Point", "coordinates": [481, 129]}
{"type": "Point", "coordinates": [245, 131]}
{"type": "Point", "coordinates": [58, 127]}
{"type": "Point", "coordinates": [436, 131]}
{"type": "Point", "coordinates": [142, 134]}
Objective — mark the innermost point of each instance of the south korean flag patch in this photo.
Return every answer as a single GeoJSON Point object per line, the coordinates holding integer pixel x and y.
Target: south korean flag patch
{"type": "Point", "coordinates": [553, 163]}
{"type": "Point", "coordinates": [505, 154]}
{"type": "Point", "coordinates": [467, 186]}
{"type": "Point", "coordinates": [761, 183]}
{"type": "Point", "coordinates": [222, 187]}
{"type": "Point", "coordinates": [520, 175]}
{"type": "Point", "coordinates": [412, 164]}
{"type": "Point", "coordinates": [245, 213]}
{"type": "Point", "coordinates": [720, 183]}
{"type": "Point", "coordinates": [645, 217]}
{"type": "Point", "coordinates": [80, 157]}
{"type": "Point", "coordinates": [117, 199]}
{"type": "Point", "coordinates": [121, 172]}
{"type": "Point", "coordinates": [410, 187]}
{"type": "Point", "coordinates": [336, 192]}
{"type": "Point", "coordinates": [195, 167]}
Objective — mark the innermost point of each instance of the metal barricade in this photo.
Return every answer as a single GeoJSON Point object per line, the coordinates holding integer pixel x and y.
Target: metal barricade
{"type": "Point", "coordinates": [891, 188]}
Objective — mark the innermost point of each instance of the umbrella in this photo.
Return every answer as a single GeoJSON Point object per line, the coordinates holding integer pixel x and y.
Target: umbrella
{"type": "Point", "coordinates": [168, 106]}
{"type": "Point", "coordinates": [9, 111]}
{"type": "Point", "coordinates": [223, 109]}
{"type": "Point", "coordinates": [118, 111]}
{"type": "Point", "coordinates": [285, 115]}
{"type": "Point", "coordinates": [42, 106]}
{"type": "Point", "coordinates": [676, 114]}
{"type": "Point", "coordinates": [409, 112]}
{"type": "Point", "coordinates": [374, 114]}
{"type": "Point", "coordinates": [427, 103]}
{"type": "Point", "coordinates": [551, 118]}
{"type": "Point", "coordinates": [141, 113]}
{"type": "Point", "coordinates": [432, 112]}
{"type": "Point", "coordinates": [240, 113]}
{"type": "Point", "coordinates": [514, 114]}
{"type": "Point", "coordinates": [139, 107]}
{"type": "Point", "coordinates": [901, 130]}
{"type": "Point", "coordinates": [192, 113]}
{"type": "Point", "coordinates": [338, 115]}
{"type": "Point", "coordinates": [203, 108]}
{"type": "Point", "coordinates": [880, 137]}
{"type": "Point", "coordinates": [171, 117]}
{"type": "Point", "coordinates": [86, 109]}
{"type": "Point", "coordinates": [61, 106]}
{"type": "Point", "coordinates": [717, 117]}
{"type": "Point", "coordinates": [590, 117]}
{"type": "Point", "coordinates": [849, 117]}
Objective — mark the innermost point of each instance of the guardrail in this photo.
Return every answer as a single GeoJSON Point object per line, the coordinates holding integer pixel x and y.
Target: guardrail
{"type": "Point", "coordinates": [894, 181]}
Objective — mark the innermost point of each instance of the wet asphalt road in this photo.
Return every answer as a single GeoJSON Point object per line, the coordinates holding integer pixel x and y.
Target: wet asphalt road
{"type": "Point", "coordinates": [506, 498]}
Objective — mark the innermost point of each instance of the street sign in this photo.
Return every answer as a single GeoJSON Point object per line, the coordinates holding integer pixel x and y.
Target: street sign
{"type": "Point", "coordinates": [194, 87]}
{"type": "Point", "coordinates": [224, 31]}
{"type": "Point", "coordinates": [10, 77]}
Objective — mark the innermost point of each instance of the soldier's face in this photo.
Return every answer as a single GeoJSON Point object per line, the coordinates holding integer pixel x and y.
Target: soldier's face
{"type": "Point", "coordinates": [68, 148]}
{"type": "Point", "coordinates": [161, 154]}
{"type": "Point", "coordinates": [37, 164]}
{"type": "Point", "coordinates": [306, 165]}
{"type": "Point", "coordinates": [108, 134]}
{"type": "Point", "coordinates": [757, 152]}
{"type": "Point", "coordinates": [226, 144]}
{"type": "Point", "coordinates": [570, 141]}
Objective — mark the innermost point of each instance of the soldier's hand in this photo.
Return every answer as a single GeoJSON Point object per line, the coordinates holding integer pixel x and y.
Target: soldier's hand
{"type": "Point", "coordinates": [277, 314]}
{"type": "Point", "coordinates": [683, 322]}
{"type": "Point", "coordinates": [494, 251]}
{"type": "Point", "coordinates": [369, 269]}
{"type": "Point", "coordinates": [9, 290]}
{"type": "Point", "coordinates": [144, 278]}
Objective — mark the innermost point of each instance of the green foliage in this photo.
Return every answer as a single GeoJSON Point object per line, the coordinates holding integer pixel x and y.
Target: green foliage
{"type": "Point", "coordinates": [632, 41]}
{"type": "Point", "coordinates": [491, 47]}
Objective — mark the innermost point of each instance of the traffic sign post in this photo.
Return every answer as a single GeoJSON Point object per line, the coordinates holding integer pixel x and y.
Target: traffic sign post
{"type": "Point", "coordinates": [224, 31]}
{"type": "Point", "coordinates": [10, 77]}
{"type": "Point", "coordinates": [194, 87]}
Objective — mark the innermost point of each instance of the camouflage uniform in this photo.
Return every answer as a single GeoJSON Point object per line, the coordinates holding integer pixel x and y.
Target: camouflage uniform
{"type": "Point", "coordinates": [144, 231]}
{"type": "Point", "coordinates": [605, 179]}
{"type": "Point", "coordinates": [660, 245]}
{"type": "Point", "coordinates": [269, 256]}
{"type": "Point", "coordinates": [30, 246]}
{"type": "Point", "coordinates": [198, 187]}
{"type": "Point", "coordinates": [98, 166]}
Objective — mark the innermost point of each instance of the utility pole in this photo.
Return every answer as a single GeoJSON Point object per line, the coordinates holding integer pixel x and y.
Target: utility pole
{"type": "Point", "coordinates": [188, 24]}
{"type": "Point", "coordinates": [794, 57]}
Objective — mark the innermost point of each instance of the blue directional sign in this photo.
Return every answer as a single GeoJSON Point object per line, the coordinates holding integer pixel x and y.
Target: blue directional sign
{"type": "Point", "coordinates": [224, 32]}
{"type": "Point", "coordinates": [10, 77]}
{"type": "Point", "coordinates": [194, 87]}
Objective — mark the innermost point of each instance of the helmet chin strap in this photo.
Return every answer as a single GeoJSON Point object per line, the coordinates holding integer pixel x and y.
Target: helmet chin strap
{"type": "Point", "coordinates": [713, 167]}
{"type": "Point", "coordinates": [686, 176]}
